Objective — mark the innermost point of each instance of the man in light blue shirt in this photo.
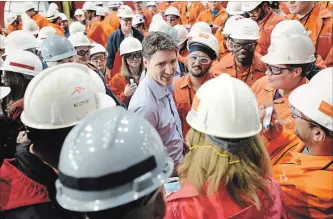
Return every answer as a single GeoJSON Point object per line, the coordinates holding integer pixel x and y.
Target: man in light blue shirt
{"type": "Point", "coordinates": [152, 100]}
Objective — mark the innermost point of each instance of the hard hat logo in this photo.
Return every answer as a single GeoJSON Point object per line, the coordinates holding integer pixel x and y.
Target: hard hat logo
{"type": "Point", "coordinates": [15, 64]}
{"type": "Point", "coordinates": [195, 104]}
{"type": "Point", "coordinates": [78, 90]}
{"type": "Point", "coordinates": [204, 35]}
{"type": "Point", "coordinates": [326, 108]}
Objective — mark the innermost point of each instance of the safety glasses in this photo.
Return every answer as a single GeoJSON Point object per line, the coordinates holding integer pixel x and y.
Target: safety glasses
{"type": "Point", "coordinates": [171, 18]}
{"type": "Point", "coordinates": [127, 19]}
{"type": "Point", "coordinates": [247, 46]}
{"type": "Point", "coordinates": [131, 56]}
{"type": "Point", "coordinates": [202, 60]}
{"type": "Point", "coordinates": [96, 58]}
{"type": "Point", "coordinates": [276, 70]}
{"type": "Point", "coordinates": [298, 115]}
{"type": "Point", "coordinates": [83, 52]}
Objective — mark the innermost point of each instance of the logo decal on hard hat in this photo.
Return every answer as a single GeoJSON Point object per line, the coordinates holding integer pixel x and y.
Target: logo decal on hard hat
{"type": "Point", "coordinates": [326, 108]}
{"type": "Point", "coordinates": [204, 35]}
{"type": "Point", "coordinates": [77, 90]}
{"type": "Point", "coordinates": [15, 64]}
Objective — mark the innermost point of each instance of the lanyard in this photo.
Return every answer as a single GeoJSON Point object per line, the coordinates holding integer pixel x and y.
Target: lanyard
{"type": "Point", "coordinates": [306, 18]}
{"type": "Point", "coordinates": [264, 23]}
{"type": "Point", "coordinates": [173, 114]}
{"type": "Point", "coordinates": [248, 72]}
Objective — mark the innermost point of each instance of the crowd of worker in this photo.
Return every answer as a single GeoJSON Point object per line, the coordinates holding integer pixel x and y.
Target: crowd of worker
{"type": "Point", "coordinates": [187, 110]}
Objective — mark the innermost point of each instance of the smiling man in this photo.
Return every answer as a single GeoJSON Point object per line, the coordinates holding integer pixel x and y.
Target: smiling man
{"type": "Point", "coordinates": [152, 99]}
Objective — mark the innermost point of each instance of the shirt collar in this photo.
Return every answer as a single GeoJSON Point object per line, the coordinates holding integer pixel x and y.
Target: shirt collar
{"type": "Point", "coordinates": [155, 88]}
{"type": "Point", "coordinates": [257, 64]}
{"type": "Point", "coordinates": [312, 162]}
{"type": "Point", "coordinates": [186, 82]}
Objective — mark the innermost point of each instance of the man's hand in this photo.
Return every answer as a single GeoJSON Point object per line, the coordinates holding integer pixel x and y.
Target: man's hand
{"type": "Point", "coordinates": [275, 128]}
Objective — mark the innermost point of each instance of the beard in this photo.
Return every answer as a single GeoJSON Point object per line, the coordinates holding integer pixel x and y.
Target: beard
{"type": "Point", "coordinates": [198, 75]}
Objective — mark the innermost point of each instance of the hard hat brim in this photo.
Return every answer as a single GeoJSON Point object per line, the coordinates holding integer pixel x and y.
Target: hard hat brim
{"type": "Point", "coordinates": [4, 91]}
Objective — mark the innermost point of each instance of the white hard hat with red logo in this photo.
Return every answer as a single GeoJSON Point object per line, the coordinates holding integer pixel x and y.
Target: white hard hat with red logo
{"type": "Point", "coordinates": [225, 107]}
{"type": "Point", "coordinates": [315, 99]}
{"type": "Point", "coordinates": [44, 33]}
{"type": "Point", "coordinates": [231, 23]}
{"type": "Point", "coordinates": [23, 62]}
{"type": "Point", "coordinates": [129, 45]}
{"type": "Point", "coordinates": [61, 96]}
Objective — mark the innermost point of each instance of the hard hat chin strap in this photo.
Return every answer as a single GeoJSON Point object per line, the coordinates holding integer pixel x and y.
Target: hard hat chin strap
{"type": "Point", "coordinates": [230, 146]}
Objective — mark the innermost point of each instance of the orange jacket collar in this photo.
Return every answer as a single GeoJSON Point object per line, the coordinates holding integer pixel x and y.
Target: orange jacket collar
{"type": "Point", "coordinates": [309, 162]}
{"type": "Point", "coordinates": [186, 81]}
{"type": "Point", "coordinates": [268, 15]}
{"type": "Point", "coordinates": [256, 62]}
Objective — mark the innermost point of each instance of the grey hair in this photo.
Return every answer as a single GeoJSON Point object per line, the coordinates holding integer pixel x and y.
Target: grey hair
{"type": "Point", "coordinates": [157, 41]}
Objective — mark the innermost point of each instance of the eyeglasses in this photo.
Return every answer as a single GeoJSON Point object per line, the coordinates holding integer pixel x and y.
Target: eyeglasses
{"type": "Point", "coordinates": [171, 18]}
{"type": "Point", "coordinates": [127, 19]}
{"type": "Point", "coordinates": [298, 115]}
{"type": "Point", "coordinates": [246, 46]}
{"type": "Point", "coordinates": [133, 55]}
{"type": "Point", "coordinates": [227, 37]}
{"type": "Point", "coordinates": [276, 70]}
{"type": "Point", "coordinates": [83, 52]}
{"type": "Point", "coordinates": [254, 11]}
{"type": "Point", "coordinates": [96, 58]}
{"type": "Point", "coordinates": [202, 60]}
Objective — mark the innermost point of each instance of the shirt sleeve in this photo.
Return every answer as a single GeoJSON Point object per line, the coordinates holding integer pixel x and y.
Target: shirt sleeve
{"type": "Point", "coordinates": [145, 112]}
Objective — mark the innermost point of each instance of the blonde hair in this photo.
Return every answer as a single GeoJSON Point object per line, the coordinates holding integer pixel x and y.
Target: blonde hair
{"type": "Point", "coordinates": [207, 170]}
{"type": "Point", "coordinates": [124, 70]}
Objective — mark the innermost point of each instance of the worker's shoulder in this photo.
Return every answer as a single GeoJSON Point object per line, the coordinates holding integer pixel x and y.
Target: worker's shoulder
{"type": "Point", "coordinates": [260, 85]}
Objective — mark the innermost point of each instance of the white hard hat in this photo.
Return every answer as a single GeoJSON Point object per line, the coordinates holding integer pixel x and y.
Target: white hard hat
{"type": "Point", "coordinates": [44, 33]}
{"type": "Point", "coordinates": [199, 27]}
{"type": "Point", "coordinates": [290, 49]}
{"type": "Point", "coordinates": [225, 107]}
{"type": "Point", "coordinates": [182, 33]}
{"type": "Point", "coordinates": [2, 42]}
{"type": "Point", "coordinates": [137, 19]}
{"type": "Point", "coordinates": [157, 17]}
{"type": "Point", "coordinates": [30, 26]}
{"type": "Point", "coordinates": [53, 6]}
{"type": "Point", "coordinates": [79, 39]}
{"type": "Point", "coordinates": [20, 39]}
{"type": "Point", "coordinates": [234, 8]}
{"type": "Point", "coordinates": [314, 99]}
{"type": "Point", "coordinates": [246, 29]}
{"type": "Point", "coordinates": [98, 48]}
{"type": "Point", "coordinates": [206, 39]}
{"type": "Point", "coordinates": [114, 4]}
{"type": "Point", "coordinates": [28, 5]}
{"type": "Point", "coordinates": [151, 4]}
{"type": "Point", "coordinates": [110, 169]}
{"type": "Point", "coordinates": [125, 11]}
{"type": "Point", "coordinates": [156, 23]}
{"type": "Point", "coordinates": [52, 14]}
{"type": "Point", "coordinates": [61, 96]}
{"type": "Point", "coordinates": [56, 47]}
{"type": "Point", "coordinates": [288, 27]}
{"type": "Point", "coordinates": [129, 45]}
{"type": "Point", "coordinates": [249, 6]}
{"type": "Point", "coordinates": [78, 12]}
{"type": "Point", "coordinates": [10, 17]}
{"type": "Point", "coordinates": [98, 3]}
{"type": "Point", "coordinates": [23, 62]}
{"type": "Point", "coordinates": [76, 27]}
{"type": "Point", "coordinates": [63, 17]}
{"type": "Point", "coordinates": [162, 26]}
{"type": "Point", "coordinates": [89, 6]}
{"type": "Point", "coordinates": [231, 23]}
{"type": "Point", "coordinates": [100, 11]}
{"type": "Point", "coordinates": [172, 11]}
{"type": "Point", "coordinates": [4, 91]}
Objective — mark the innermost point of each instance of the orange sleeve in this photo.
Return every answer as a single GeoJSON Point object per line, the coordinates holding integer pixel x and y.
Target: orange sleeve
{"type": "Point", "coordinates": [96, 33]}
{"type": "Point", "coordinates": [148, 18]}
{"type": "Point", "coordinates": [284, 8]}
{"type": "Point", "coordinates": [329, 58]}
{"type": "Point", "coordinates": [118, 86]}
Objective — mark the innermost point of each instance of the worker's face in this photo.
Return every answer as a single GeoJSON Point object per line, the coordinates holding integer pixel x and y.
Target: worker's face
{"type": "Point", "coordinates": [99, 60]}
{"type": "Point", "coordinates": [59, 21]}
{"type": "Point", "coordinates": [152, 8]}
{"type": "Point", "coordinates": [126, 24]}
{"type": "Point", "coordinates": [244, 50]}
{"type": "Point", "coordinates": [19, 18]}
{"type": "Point", "coordinates": [172, 20]}
{"type": "Point", "coordinates": [31, 12]}
{"type": "Point", "coordinates": [62, 61]}
{"type": "Point", "coordinates": [257, 14]}
{"type": "Point", "coordinates": [215, 5]}
{"type": "Point", "coordinates": [79, 17]}
{"type": "Point", "coordinates": [198, 63]}
{"type": "Point", "coordinates": [89, 14]}
{"type": "Point", "coordinates": [162, 67]}
{"type": "Point", "coordinates": [280, 76]}
{"type": "Point", "coordinates": [133, 59]}
{"type": "Point", "coordinates": [137, 5]}
{"type": "Point", "coordinates": [228, 42]}
{"type": "Point", "coordinates": [64, 23]}
{"type": "Point", "coordinates": [297, 7]}
{"type": "Point", "coordinates": [83, 54]}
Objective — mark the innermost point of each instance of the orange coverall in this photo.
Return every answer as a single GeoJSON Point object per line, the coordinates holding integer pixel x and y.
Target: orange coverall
{"type": "Point", "coordinates": [183, 95]}
{"type": "Point", "coordinates": [11, 28]}
{"type": "Point", "coordinates": [306, 180]}
{"type": "Point", "coordinates": [227, 65]}
{"type": "Point", "coordinates": [207, 17]}
{"type": "Point", "coordinates": [265, 29]}
{"type": "Point", "coordinates": [118, 84]}
{"type": "Point", "coordinates": [111, 20]}
{"type": "Point", "coordinates": [59, 30]}
{"type": "Point", "coordinates": [95, 32]}
{"type": "Point", "coordinates": [189, 15]}
{"type": "Point", "coordinates": [320, 24]}
{"type": "Point", "coordinates": [40, 20]}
